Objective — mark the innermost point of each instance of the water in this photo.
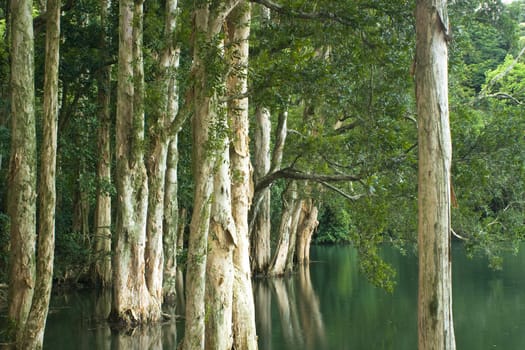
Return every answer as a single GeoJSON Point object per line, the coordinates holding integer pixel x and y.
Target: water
{"type": "Point", "coordinates": [332, 306]}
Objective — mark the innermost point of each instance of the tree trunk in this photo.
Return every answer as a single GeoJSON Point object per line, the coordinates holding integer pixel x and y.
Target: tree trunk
{"type": "Point", "coordinates": [163, 114]}
{"type": "Point", "coordinates": [219, 269]}
{"type": "Point", "coordinates": [102, 266]}
{"type": "Point", "coordinates": [435, 322]}
{"type": "Point", "coordinates": [34, 331]}
{"type": "Point", "coordinates": [208, 83]}
{"type": "Point", "coordinates": [171, 224]}
{"type": "Point", "coordinates": [278, 264]}
{"type": "Point", "coordinates": [261, 250]}
{"type": "Point", "coordinates": [22, 168]}
{"type": "Point", "coordinates": [132, 303]}
{"type": "Point", "coordinates": [238, 31]}
{"type": "Point", "coordinates": [307, 225]}
{"type": "Point", "coordinates": [203, 162]}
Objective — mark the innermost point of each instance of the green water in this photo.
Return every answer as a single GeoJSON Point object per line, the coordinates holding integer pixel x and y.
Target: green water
{"type": "Point", "coordinates": [331, 306]}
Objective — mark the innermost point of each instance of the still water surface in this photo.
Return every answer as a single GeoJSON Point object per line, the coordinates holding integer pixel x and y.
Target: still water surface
{"type": "Point", "coordinates": [332, 306]}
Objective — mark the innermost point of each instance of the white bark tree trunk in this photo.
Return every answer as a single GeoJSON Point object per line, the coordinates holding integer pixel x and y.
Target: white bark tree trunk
{"type": "Point", "coordinates": [435, 322]}
{"type": "Point", "coordinates": [238, 32]}
{"type": "Point", "coordinates": [208, 82]}
{"type": "Point", "coordinates": [221, 242]}
{"type": "Point", "coordinates": [163, 114]}
{"type": "Point", "coordinates": [132, 302]}
{"type": "Point", "coordinates": [34, 331]}
{"type": "Point", "coordinates": [261, 250]}
{"type": "Point", "coordinates": [307, 225]}
{"type": "Point", "coordinates": [289, 216]}
{"type": "Point", "coordinates": [22, 167]}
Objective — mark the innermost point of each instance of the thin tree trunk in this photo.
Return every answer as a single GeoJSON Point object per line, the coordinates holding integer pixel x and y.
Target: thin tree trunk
{"type": "Point", "coordinates": [22, 168]}
{"type": "Point", "coordinates": [132, 303]}
{"type": "Point", "coordinates": [171, 224]}
{"type": "Point", "coordinates": [102, 265]}
{"type": "Point", "coordinates": [34, 331]}
{"type": "Point", "coordinates": [435, 322]}
{"type": "Point", "coordinates": [261, 250]}
{"type": "Point", "coordinates": [238, 32]}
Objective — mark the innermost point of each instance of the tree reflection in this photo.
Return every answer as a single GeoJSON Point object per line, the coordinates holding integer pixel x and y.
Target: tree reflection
{"type": "Point", "coordinates": [300, 317]}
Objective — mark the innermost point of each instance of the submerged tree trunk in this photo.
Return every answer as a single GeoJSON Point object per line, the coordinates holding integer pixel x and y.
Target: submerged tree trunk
{"type": "Point", "coordinates": [22, 168]}
{"type": "Point", "coordinates": [435, 322]}
{"type": "Point", "coordinates": [102, 266]}
{"type": "Point", "coordinates": [162, 114]}
{"type": "Point", "coordinates": [238, 31]}
{"type": "Point", "coordinates": [132, 303]}
{"type": "Point", "coordinates": [289, 215]}
{"type": "Point", "coordinates": [203, 162]}
{"type": "Point", "coordinates": [260, 249]}
{"type": "Point", "coordinates": [307, 225]}
{"type": "Point", "coordinates": [208, 84]}
{"type": "Point", "coordinates": [34, 331]}
{"type": "Point", "coordinates": [221, 242]}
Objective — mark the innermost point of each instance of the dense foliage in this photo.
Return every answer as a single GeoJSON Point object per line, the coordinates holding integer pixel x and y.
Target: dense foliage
{"type": "Point", "coordinates": [348, 88]}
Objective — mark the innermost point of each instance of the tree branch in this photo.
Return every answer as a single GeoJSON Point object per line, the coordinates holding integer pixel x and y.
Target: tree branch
{"type": "Point", "coordinates": [342, 193]}
{"type": "Point", "coordinates": [321, 15]}
{"type": "Point", "coordinates": [294, 174]}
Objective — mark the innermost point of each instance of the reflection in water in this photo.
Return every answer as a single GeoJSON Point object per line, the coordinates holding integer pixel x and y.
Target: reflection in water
{"type": "Point", "coordinates": [329, 306]}
{"type": "Point", "coordinates": [298, 309]}
{"type": "Point", "coordinates": [78, 321]}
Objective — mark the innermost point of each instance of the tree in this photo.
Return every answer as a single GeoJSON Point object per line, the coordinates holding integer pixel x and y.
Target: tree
{"type": "Point", "coordinates": [22, 168]}
{"type": "Point", "coordinates": [132, 302]}
{"type": "Point", "coordinates": [34, 331]}
{"type": "Point", "coordinates": [208, 136]}
{"type": "Point", "coordinates": [102, 267]}
{"type": "Point", "coordinates": [238, 30]}
{"type": "Point", "coordinates": [163, 100]}
{"type": "Point", "coordinates": [435, 322]}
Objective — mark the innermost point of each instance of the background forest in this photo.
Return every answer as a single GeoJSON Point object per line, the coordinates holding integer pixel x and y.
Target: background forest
{"type": "Point", "coordinates": [342, 84]}
{"type": "Point", "coordinates": [363, 96]}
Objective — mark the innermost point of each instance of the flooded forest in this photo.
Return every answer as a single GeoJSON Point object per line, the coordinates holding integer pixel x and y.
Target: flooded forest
{"type": "Point", "coordinates": [264, 174]}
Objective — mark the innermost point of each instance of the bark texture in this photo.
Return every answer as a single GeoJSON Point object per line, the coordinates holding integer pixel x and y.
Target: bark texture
{"type": "Point", "coordinates": [238, 31]}
{"type": "Point", "coordinates": [132, 303]}
{"type": "Point", "coordinates": [203, 162]}
{"type": "Point", "coordinates": [34, 331]}
{"type": "Point", "coordinates": [22, 167]}
{"type": "Point", "coordinates": [163, 114]}
{"type": "Point", "coordinates": [219, 270]}
{"type": "Point", "coordinates": [102, 267]}
{"type": "Point", "coordinates": [289, 218]}
{"type": "Point", "coordinates": [208, 84]}
{"type": "Point", "coordinates": [435, 322]}
{"type": "Point", "coordinates": [307, 225]}
{"type": "Point", "coordinates": [260, 249]}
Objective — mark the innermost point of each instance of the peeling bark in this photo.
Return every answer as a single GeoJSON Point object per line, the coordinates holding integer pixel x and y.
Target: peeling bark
{"type": "Point", "coordinates": [22, 167]}
{"type": "Point", "coordinates": [34, 330]}
{"type": "Point", "coordinates": [238, 31]}
{"type": "Point", "coordinates": [132, 302]}
{"type": "Point", "coordinates": [435, 322]}
{"type": "Point", "coordinates": [260, 249]}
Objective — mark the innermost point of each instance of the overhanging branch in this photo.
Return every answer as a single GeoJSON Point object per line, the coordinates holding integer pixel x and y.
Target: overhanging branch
{"type": "Point", "coordinates": [294, 174]}
{"type": "Point", "coordinates": [321, 15]}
